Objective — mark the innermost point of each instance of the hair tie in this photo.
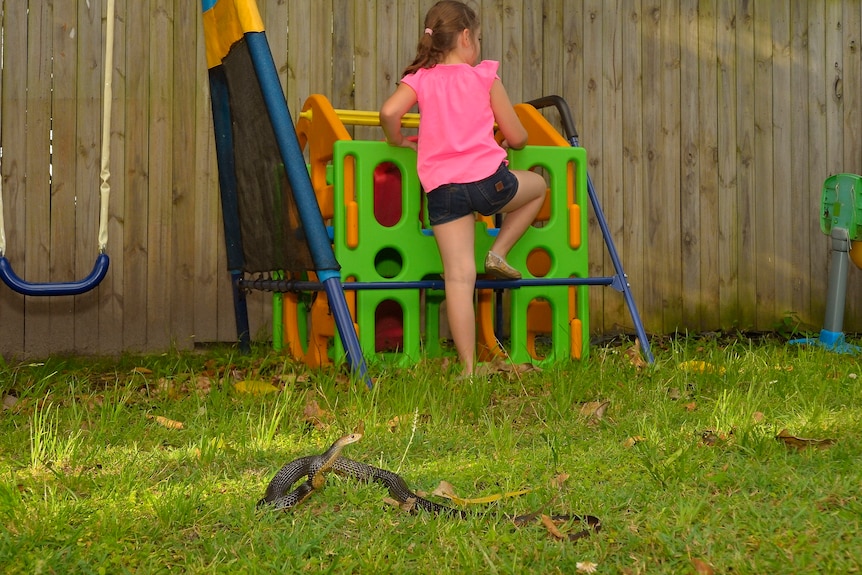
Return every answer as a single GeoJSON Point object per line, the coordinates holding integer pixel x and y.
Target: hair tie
{"type": "Point", "coordinates": [429, 31]}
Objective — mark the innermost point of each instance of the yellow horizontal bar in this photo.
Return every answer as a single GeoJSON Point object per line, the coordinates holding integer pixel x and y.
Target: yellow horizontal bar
{"type": "Point", "coordinates": [365, 118]}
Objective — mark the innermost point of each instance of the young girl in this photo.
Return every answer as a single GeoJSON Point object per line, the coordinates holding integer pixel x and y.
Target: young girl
{"type": "Point", "coordinates": [460, 165]}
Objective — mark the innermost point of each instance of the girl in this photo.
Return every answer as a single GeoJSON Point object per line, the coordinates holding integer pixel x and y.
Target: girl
{"type": "Point", "coordinates": [459, 163]}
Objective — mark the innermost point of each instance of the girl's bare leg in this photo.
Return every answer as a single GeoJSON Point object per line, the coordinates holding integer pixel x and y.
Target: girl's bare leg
{"type": "Point", "coordinates": [456, 240]}
{"type": "Point", "coordinates": [520, 211]}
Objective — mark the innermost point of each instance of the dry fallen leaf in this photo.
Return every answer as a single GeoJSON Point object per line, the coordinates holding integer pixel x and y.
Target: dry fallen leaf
{"type": "Point", "coordinates": [396, 421]}
{"type": "Point", "coordinates": [315, 415]}
{"type": "Point", "coordinates": [142, 371]}
{"type": "Point", "coordinates": [552, 528]}
{"type": "Point", "coordinates": [594, 410]}
{"type": "Point", "coordinates": [586, 566]}
{"type": "Point", "coordinates": [165, 422]}
{"type": "Point", "coordinates": [800, 442]}
{"type": "Point", "coordinates": [560, 480]}
{"type": "Point", "coordinates": [203, 384]}
{"type": "Point", "coordinates": [691, 406]}
{"type": "Point", "coordinates": [9, 401]}
{"type": "Point", "coordinates": [408, 506]}
{"type": "Point", "coordinates": [634, 440]}
{"type": "Point", "coordinates": [701, 567]}
{"type": "Point", "coordinates": [758, 417]}
{"type": "Point", "coordinates": [634, 355]}
{"type": "Point", "coordinates": [445, 489]}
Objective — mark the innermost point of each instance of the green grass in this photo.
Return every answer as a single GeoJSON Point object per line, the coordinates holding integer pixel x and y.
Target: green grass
{"type": "Point", "coordinates": [91, 482]}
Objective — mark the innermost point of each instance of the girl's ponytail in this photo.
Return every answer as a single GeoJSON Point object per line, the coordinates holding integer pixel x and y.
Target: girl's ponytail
{"type": "Point", "coordinates": [443, 23]}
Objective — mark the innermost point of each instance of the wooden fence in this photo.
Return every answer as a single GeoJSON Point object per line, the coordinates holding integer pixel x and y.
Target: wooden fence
{"type": "Point", "coordinates": [710, 126]}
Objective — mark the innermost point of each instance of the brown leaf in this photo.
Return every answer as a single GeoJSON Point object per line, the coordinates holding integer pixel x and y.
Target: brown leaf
{"type": "Point", "coordinates": [800, 442]}
{"type": "Point", "coordinates": [586, 567]}
{"type": "Point", "coordinates": [203, 384]}
{"type": "Point", "coordinates": [408, 506]}
{"type": "Point", "coordinates": [594, 410]}
{"type": "Point", "coordinates": [691, 406]}
{"type": "Point", "coordinates": [560, 480]}
{"type": "Point", "coordinates": [315, 415]}
{"type": "Point", "coordinates": [9, 401]}
{"type": "Point", "coordinates": [142, 371]}
{"type": "Point", "coordinates": [709, 437]}
{"type": "Point", "coordinates": [398, 420]}
{"type": "Point", "coordinates": [634, 355]}
{"type": "Point", "coordinates": [446, 490]}
{"type": "Point", "coordinates": [634, 440]}
{"type": "Point", "coordinates": [552, 528]}
{"type": "Point", "coordinates": [701, 567]}
{"type": "Point", "coordinates": [758, 417]}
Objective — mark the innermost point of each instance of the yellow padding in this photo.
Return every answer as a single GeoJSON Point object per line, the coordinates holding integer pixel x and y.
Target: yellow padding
{"type": "Point", "coordinates": [225, 24]}
{"type": "Point", "coordinates": [364, 118]}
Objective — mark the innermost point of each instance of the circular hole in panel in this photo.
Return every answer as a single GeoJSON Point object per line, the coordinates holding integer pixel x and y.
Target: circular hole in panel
{"type": "Point", "coordinates": [539, 262]}
{"type": "Point", "coordinates": [388, 262]}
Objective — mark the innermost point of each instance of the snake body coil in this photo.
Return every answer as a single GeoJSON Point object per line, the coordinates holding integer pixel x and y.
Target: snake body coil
{"type": "Point", "coordinates": [314, 466]}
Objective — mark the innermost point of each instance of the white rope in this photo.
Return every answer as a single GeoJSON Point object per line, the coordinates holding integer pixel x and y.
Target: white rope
{"type": "Point", "coordinates": [107, 97]}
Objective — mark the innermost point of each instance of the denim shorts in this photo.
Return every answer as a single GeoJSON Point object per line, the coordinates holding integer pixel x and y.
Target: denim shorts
{"type": "Point", "coordinates": [452, 201]}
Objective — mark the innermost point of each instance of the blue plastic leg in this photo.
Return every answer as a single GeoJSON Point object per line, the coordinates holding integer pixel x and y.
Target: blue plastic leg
{"type": "Point", "coordinates": [344, 323]}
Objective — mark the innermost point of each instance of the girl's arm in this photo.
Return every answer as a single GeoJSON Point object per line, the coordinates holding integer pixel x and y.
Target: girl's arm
{"type": "Point", "coordinates": [394, 108]}
{"type": "Point", "coordinates": [507, 120]}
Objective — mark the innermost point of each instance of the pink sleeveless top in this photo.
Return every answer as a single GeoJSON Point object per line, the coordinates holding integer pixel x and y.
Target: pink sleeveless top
{"type": "Point", "coordinates": [456, 127]}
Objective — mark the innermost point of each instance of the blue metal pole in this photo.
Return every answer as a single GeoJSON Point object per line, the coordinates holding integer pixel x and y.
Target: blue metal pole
{"type": "Point", "coordinates": [326, 266]}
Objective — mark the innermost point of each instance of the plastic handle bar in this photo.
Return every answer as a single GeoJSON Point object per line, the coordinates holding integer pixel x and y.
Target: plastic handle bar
{"type": "Point", "coordinates": [100, 269]}
{"type": "Point", "coordinates": [563, 109]}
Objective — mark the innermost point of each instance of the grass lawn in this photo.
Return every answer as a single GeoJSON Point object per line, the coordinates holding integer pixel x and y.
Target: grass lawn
{"type": "Point", "coordinates": [154, 464]}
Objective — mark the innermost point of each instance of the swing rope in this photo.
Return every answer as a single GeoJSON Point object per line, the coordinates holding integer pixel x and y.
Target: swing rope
{"type": "Point", "coordinates": [100, 268]}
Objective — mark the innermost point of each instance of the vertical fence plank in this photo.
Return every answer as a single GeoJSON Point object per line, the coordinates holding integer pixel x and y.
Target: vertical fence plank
{"type": "Point", "coordinates": [728, 224]}
{"type": "Point", "coordinates": [592, 93]}
{"type": "Point", "coordinates": [632, 242]}
{"type": "Point", "coordinates": [64, 92]}
{"type": "Point", "coordinates": [781, 135]}
{"type": "Point", "coordinates": [670, 272]}
{"type": "Point", "coordinates": [182, 127]}
{"type": "Point", "coordinates": [137, 178]}
{"type": "Point", "coordinates": [613, 205]}
{"type": "Point", "coordinates": [819, 88]}
{"type": "Point", "coordinates": [37, 200]}
{"type": "Point", "coordinates": [693, 242]}
{"type": "Point", "coordinates": [707, 149]}
{"type": "Point", "coordinates": [745, 118]}
{"type": "Point", "coordinates": [343, 32]}
{"type": "Point", "coordinates": [610, 112]}
{"type": "Point", "coordinates": [365, 65]}
{"type": "Point", "coordinates": [89, 113]}
{"type": "Point", "coordinates": [14, 106]}
{"type": "Point", "coordinates": [653, 200]}
{"type": "Point", "coordinates": [761, 220]}
{"type": "Point", "coordinates": [160, 260]}
{"type": "Point", "coordinates": [512, 51]}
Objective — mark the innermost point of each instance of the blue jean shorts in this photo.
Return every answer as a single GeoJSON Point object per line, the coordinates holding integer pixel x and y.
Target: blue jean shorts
{"type": "Point", "coordinates": [450, 202]}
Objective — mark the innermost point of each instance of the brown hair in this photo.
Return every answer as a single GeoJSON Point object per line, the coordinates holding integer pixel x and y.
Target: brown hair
{"type": "Point", "coordinates": [446, 20]}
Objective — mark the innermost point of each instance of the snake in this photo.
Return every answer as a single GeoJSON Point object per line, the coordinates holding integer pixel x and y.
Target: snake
{"type": "Point", "coordinates": [314, 468]}
{"type": "Point", "coordinates": [280, 493]}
